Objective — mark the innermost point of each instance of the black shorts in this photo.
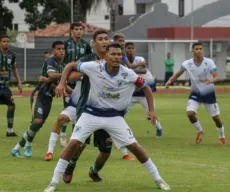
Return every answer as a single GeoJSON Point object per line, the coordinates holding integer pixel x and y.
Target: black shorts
{"type": "Point", "coordinates": [102, 141]}
{"type": "Point", "coordinates": [6, 97]}
{"type": "Point", "coordinates": [66, 99]}
{"type": "Point", "coordinates": [41, 106]}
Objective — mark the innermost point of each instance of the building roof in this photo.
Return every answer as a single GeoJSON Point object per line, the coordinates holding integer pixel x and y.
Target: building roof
{"type": "Point", "coordinates": [59, 30]}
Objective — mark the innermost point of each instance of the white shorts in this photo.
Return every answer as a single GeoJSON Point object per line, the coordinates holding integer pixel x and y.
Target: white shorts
{"type": "Point", "coordinates": [141, 100]}
{"type": "Point", "coordinates": [116, 127]}
{"type": "Point", "coordinates": [70, 112]}
{"type": "Point", "coordinates": [213, 109]}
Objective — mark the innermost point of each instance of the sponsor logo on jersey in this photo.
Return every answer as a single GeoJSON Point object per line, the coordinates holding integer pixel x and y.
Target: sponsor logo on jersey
{"type": "Point", "coordinates": [108, 95]}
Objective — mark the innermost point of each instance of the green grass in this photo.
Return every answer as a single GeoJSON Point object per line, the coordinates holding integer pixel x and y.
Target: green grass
{"type": "Point", "coordinates": [185, 166]}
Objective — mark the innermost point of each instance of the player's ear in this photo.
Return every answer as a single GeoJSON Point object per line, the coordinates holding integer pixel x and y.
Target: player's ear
{"type": "Point", "coordinates": [93, 43]}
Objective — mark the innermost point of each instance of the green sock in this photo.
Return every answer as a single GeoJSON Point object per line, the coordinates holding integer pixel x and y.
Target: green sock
{"type": "Point", "coordinates": [74, 159]}
{"type": "Point", "coordinates": [63, 128]}
{"type": "Point", "coordinates": [96, 168]}
{"type": "Point", "coordinates": [30, 134]}
{"type": "Point", "coordinates": [10, 118]}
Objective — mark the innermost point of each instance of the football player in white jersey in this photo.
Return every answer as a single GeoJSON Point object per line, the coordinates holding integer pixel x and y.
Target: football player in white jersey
{"type": "Point", "coordinates": [203, 74]}
{"type": "Point", "coordinates": [112, 86]}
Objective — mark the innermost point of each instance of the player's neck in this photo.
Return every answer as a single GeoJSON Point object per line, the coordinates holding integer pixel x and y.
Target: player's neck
{"type": "Point", "coordinates": [130, 58]}
{"type": "Point", "coordinates": [101, 55]}
{"type": "Point", "coordinates": [77, 39]}
{"type": "Point", "coordinates": [4, 51]}
{"type": "Point", "coordinates": [198, 60]}
{"type": "Point", "coordinates": [111, 70]}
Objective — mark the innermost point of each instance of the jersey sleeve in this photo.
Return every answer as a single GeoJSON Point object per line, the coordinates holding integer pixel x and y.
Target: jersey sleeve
{"type": "Point", "coordinates": [184, 66]}
{"type": "Point", "coordinates": [86, 67]}
{"type": "Point", "coordinates": [13, 59]}
{"type": "Point", "coordinates": [136, 79]}
{"type": "Point", "coordinates": [88, 49]}
{"type": "Point", "coordinates": [212, 66]}
{"type": "Point", "coordinates": [51, 66]}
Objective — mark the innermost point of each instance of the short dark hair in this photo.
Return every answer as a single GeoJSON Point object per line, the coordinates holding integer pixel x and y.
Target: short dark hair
{"type": "Point", "coordinates": [129, 43]}
{"type": "Point", "coordinates": [55, 43]}
{"type": "Point", "coordinates": [98, 32]}
{"type": "Point", "coordinates": [72, 25]}
{"type": "Point", "coordinates": [4, 36]}
{"type": "Point", "coordinates": [117, 36]}
{"type": "Point", "coordinates": [113, 45]}
{"type": "Point", "coordinates": [196, 44]}
{"type": "Point", "coordinates": [46, 52]}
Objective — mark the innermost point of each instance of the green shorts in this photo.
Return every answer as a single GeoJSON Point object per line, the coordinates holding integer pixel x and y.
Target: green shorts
{"type": "Point", "coordinates": [6, 96]}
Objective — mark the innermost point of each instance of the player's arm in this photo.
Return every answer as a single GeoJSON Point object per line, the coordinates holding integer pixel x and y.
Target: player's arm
{"type": "Point", "coordinates": [174, 77]}
{"type": "Point", "coordinates": [53, 75]}
{"type": "Point", "coordinates": [44, 79]}
{"type": "Point", "coordinates": [213, 71]}
{"type": "Point", "coordinates": [74, 75]}
{"type": "Point", "coordinates": [133, 66]}
{"type": "Point", "coordinates": [68, 89]}
{"type": "Point", "coordinates": [16, 75]}
{"type": "Point", "coordinates": [215, 76]}
{"type": "Point", "coordinates": [141, 71]}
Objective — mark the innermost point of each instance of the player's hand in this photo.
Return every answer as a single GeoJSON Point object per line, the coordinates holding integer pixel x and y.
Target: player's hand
{"type": "Point", "coordinates": [60, 90]}
{"type": "Point", "coordinates": [20, 87]}
{"type": "Point", "coordinates": [152, 117]}
{"type": "Point", "coordinates": [143, 63]}
{"type": "Point", "coordinates": [168, 83]}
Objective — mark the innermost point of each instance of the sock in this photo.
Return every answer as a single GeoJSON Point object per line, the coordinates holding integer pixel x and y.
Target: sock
{"type": "Point", "coordinates": [96, 168]}
{"type": "Point", "coordinates": [158, 125]}
{"type": "Point", "coordinates": [152, 169]}
{"type": "Point", "coordinates": [124, 151]}
{"type": "Point", "coordinates": [221, 131]}
{"type": "Point", "coordinates": [63, 130]}
{"type": "Point", "coordinates": [198, 127]}
{"type": "Point", "coordinates": [10, 120]}
{"type": "Point", "coordinates": [59, 170]}
{"type": "Point", "coordinates": [52, 142]}
{"type": "Point", "coordinates": [74, 159]}
{"type": "Point", "coordinates": [29, 135]}
{"type": "Point", "coordinates": [17, 147]}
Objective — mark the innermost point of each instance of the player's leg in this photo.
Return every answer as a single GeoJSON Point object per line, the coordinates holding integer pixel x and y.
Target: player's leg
{"type": "Point", "coordinates": [143, 102]}
{"type": "Point", "coordinates": [192, 108]}
{"type": "Point", "coordinates": [83, 129]}
{"type": "Point", "coordinates": [214, 112]}
{"type": "Point", "coordinates": [63, 135]}
{"type": "Point", "coordinates": [122, 136]}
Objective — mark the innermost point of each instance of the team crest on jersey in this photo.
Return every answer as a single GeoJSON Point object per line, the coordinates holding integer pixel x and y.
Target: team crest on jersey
{"type": "Point", "coordinates": [119, 82]}
{"type": "Point", "coordinates": [82, 50]}
{"type": "Point", "coordinates": [190, 64]}
{"type": "Point", "coordinates": [9, 60]}
{"type": "Point", "coordinates": [124, 75]}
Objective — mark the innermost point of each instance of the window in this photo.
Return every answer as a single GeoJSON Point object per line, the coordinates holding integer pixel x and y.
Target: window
{"type": "Point", "coordinates": [140, 8]}
{"type": "Point", "coordinates": [120, 9]}
{"type": "Point", "coordinates": [15, 27]}
{"type": "Point", "coordinates": [106, 17]}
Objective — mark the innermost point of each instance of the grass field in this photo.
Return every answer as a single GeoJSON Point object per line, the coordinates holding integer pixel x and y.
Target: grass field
{"type": "Point", "coordinates": [187, 167]}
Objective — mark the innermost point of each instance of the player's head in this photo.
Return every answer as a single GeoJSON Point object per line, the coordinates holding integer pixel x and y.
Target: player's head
{"type": "Point", "coordinates": [119, 38]}
{"type": "Point", "coordinates": [4, 42]}
{"type": "Point", "coordinates": [130, 49]}
{"type": "Point", "coordinates": [197, 49]}
{"type": "Point", "coordinates": [113, 55]}
{"type": "Point", "coordinates": [46, 55]}
{"type": "Point", "coordinates": [77, 30]}
{"type": "Point", "coordinates": [100, 40]}
{"type": "Point", "coordinates": [58, 49]}
{"type": "Point", "coordinates": [169, 55]}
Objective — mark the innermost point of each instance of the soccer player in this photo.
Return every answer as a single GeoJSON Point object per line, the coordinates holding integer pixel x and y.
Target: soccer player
{"type": "Point", "coordinates": [75, 48]}
{"type": "Point", "coordinates": [8, 66]}
{"type": "Point", "coordinates": [41, 106]}
{"type": "Point", "coordinates": [203, 74]}
{"type": "Point", "coordinates": [110, 93]}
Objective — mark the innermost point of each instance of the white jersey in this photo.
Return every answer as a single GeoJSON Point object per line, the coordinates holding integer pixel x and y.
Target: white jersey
{"type": "Point", "coordinates": [201, 91]}
{"type": "Point", "coordinates": [110, 94]}
{"type": "Point", "coordinates": [75, 95]}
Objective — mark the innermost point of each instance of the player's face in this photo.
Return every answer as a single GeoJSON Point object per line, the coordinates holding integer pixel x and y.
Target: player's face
{"type": "Point", "coordinates": [130, 51]}
{"type": "Point", "coordinates": [120, 41]}
{"type": "Point", "coordinates": [77, 32]}
{"type": "Point", "coordinates": [5, 43]}
{"type": "Point", "coordinates": [101, 42]}
{"type": "Point", "coordinates": [59, 52]}
{"type": "Point", "coordinates": [198, 51]}
{"type": "Point", "coordinates": [113, 57]}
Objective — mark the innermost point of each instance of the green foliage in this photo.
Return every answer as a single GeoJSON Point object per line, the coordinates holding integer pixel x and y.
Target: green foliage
{"type": "Point", "coordinates": [6, 18]}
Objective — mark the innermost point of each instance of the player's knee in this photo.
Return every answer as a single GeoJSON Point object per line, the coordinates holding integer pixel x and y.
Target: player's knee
{"type": "Point", "coordinates": [11, 107]}
{"type": "Point", "coordinates": [38, 121]}
{"type": "Point", "coordinates": [217, 120]}
{"type": "Point", "coordinates": [191, 114]}
{"type": "Point", "coordinates": [62, 119]}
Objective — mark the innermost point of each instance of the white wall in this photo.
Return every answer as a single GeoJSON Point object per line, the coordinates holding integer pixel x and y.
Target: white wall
{"type": "Point", "coordinates": [129, 7]}
{"type": "Point", "coordinates": [97, 17]}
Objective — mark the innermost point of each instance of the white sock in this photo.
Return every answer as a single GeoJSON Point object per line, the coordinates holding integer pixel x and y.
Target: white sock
{"type": "Point", "coordinates": [17, 147]}
{"type": "Point", "coordinates": [124, 151]}
{"type": "Point", "coordinates": [198, 127]}
{"type": "Point", "coordinates": [59, 170]}
{"type": "Point", "coordinates": [28, 144]}
{"type": "Point", "coordinates": [52, 142]}
{"type": "Point", "coordinates": [63, 134]}
{"type": "Point", "coordinates": [158, 125]}
{"type": "Point", "coordinates": [10, 130]}
{"type": "Point", "coordinates": [221, 132]}
{"type": "Point", "coordinates": [152, 169]}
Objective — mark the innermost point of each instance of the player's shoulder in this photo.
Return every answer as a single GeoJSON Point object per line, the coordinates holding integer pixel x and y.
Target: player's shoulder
{"type": "Point", "coordinates": [126, 70]}
{"type": "Point", "coordinates": [87, 58]}
{"type": "Point", "coordinates": [11, 53]}
{"type": "Point", "coordinates": [67, 41]}
{"type": "Point", "coordinates": [139, 58]}
{"type": "Point", "coordinates": [50, 61]}
{"type": "Point", "coordinates": [188, 62]}
{"type": "Point", "coordinates": [208, 60]}
{"type": "Point", "coordinates": [84, 42]}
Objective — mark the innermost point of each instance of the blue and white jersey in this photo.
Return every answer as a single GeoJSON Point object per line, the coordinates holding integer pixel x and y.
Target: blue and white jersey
{"type": "Point", "coordinates": [201, 91]}
{"type": "Point", "coordinates": [75, 95]}
{"type": "Point", "coordinates": [147, 76]}
{"type": "Point", "coordinates": [109, 95]}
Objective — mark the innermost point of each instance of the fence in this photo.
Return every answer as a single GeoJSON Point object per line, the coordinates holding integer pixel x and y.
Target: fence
{"type": "Point", "coordinates": [29, 61]}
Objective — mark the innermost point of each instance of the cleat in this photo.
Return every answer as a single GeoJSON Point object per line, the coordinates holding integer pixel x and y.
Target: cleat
{"type": "Point", "coordinates": [68, 174]}
{"type": "Point", "coordinates": [94, 176]}
{"type": "Point", "coordinates": [28, 151]}
{"type": "Point", "coordinates": [48, 157]}
{"type": "Point", "coordinates": [13, 134]}
{"type": "Point", "coordinates": [63, 141]}
{"type": "Point", "coordinates": [223, 140]}
{"type": "Point", "coordinates": [16, 153]}
{"type": "Point", "coordinates": [199, 137]}
{"type": "Point", "coordinates": [158, 133]}
{"type": "Point", "coordinates": [163, 185]}
{"type": "Point", "coordinates": [51, 187]}
{"type": "Point", "coordinates": [128, 157]}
